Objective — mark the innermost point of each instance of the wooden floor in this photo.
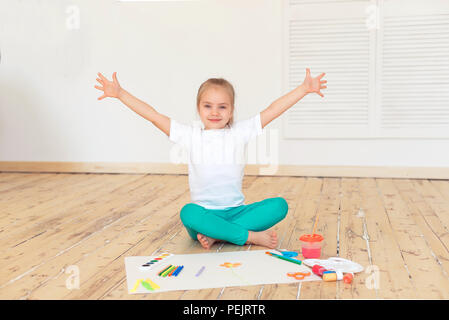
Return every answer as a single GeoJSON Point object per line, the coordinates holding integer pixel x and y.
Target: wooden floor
{"type": "Point", "coordinates": [52, 222]}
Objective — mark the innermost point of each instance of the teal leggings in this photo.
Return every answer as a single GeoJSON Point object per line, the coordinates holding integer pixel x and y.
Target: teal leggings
{"type": "Point", "coordinates": [232, 224]}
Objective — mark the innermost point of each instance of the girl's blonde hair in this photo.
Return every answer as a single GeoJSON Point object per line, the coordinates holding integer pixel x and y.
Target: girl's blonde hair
{"type": "Point", "coordinates": [220, 82]}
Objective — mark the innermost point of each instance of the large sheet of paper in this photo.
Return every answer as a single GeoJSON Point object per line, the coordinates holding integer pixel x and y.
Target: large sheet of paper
{"type": "Point", "coordinates": [219, 269]}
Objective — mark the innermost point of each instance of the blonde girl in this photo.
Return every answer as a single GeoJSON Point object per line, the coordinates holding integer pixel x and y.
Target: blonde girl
{"type": "Point", "coordinates": [217, 211]}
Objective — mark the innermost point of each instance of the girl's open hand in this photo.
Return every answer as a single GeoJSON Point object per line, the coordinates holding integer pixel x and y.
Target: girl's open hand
{"type": "Point", "coordinates": [314, 84]}
{"type": "Point", "coordinates": [109, 88]}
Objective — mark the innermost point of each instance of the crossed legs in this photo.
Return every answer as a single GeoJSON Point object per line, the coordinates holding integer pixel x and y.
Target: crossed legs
{"type": "Point", "coordinates": [239, 225]}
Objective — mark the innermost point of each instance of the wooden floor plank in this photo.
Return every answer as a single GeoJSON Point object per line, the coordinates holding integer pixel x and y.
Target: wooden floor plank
{"type": "Point", "coordinates": [21, 181]}
{"type": "Point", "coordinates": [435, 198]}
{"type": "Point", "coordinates": [44, 202]}
{"type": "Point", "coordinates": [107, 245]}
{"type": "Point", "coordinates": [433, 230]}
{"type": "Point", "coordinates": [424, 271]}
{"type": "Point", "coordinates": [37, 189]}
{"type": "Point", "coordinates": [442, 186]}
{"type": "Point", "coordinates": [38, 221]}
{"type": "Point", "coordinates": [305, 217]}
{"type": "Point", "coordinates": [388, 274]}
{"type": "Point", "coordinates": [96, 215]}
{"type": "Point", "coordinates": [354, 239]}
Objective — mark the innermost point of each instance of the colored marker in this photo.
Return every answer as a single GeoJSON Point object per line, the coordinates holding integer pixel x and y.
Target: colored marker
{"type": "Point", "coordinates": [171, 272]}
{"type": "Point", "coordinates": [168, 271]}
{"type": "Point", "coordinates": [200, 271]}
{"type": "Point", "coordinates": [162, 271]}
{"type": "Point", "coordinates": [284, 258]}
{"type": "Point", "coordinates": [178, 271]}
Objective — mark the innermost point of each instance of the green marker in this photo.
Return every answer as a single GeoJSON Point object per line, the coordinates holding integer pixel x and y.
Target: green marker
{"type": "Point", "coordinates": [284, 258]}
{"type": "Point", "coordinates": [168, 271]}
{"type": "Point", "coordinates": [160, 273]}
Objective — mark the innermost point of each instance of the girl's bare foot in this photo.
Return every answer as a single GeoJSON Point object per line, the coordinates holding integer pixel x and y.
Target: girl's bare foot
{"type": "Point", "coordinates": [206, 242]}
{"type": "Point", "coordinates": [263, 238]}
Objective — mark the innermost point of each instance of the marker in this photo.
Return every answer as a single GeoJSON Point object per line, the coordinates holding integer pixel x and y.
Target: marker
{"type": "Point", "coordinates": [168, 271]}
{"type": "Point", "coordinates": [162, 271]}
{"type": "Point", "coordinates": [200, 271]}
{"type": "Point", "coordinates": [171, 272]}
{"type": "Point", "coordinates": [178, 271]}
{"type": "Point", "coordinates": [284, 258]}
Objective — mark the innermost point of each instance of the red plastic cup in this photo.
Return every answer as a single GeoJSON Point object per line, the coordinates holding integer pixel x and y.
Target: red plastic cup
{"type": "Point", "coordinates": [311, 245]}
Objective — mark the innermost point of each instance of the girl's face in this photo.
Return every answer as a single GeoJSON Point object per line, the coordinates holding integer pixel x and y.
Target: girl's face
{"type": "Point", "coordinates": [214, 105]}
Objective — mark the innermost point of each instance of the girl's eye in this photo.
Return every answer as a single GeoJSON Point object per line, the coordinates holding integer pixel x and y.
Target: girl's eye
{"type": "Point", "coordinates": [207, 106]}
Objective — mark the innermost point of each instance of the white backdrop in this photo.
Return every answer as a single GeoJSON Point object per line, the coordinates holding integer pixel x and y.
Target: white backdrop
{"type": "Point", "coordinates": [162, 51]}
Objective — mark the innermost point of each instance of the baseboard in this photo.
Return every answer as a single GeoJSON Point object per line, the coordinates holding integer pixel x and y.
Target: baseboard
{"type": "Point", "coordinates": [250, 169]}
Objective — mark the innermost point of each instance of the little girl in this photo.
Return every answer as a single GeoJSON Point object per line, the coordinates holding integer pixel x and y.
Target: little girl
{"type": "Point", "coordinates": [216, 161]}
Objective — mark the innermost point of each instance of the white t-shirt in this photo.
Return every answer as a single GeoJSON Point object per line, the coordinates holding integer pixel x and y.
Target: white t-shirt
{"type": "Point", "coordinates": [216, 160]}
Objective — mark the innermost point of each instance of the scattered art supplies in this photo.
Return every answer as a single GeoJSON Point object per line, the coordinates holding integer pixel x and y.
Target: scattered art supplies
{"type": "Point", "coordinates": [169, 271]}
{"type": "Point", "coordinates": [156, 261]}
{"type": "Point", "coordinates": [336, 264]}
{"type": "Point", "coordinates": [214, 270]}
{"type": "Point", "coordinates": [332, 269]}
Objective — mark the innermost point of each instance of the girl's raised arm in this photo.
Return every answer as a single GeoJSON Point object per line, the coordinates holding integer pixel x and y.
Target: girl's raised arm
{"type": "Point", "coordinates": [279, 106]}
{"type": "Point", "coordinates": [113, 89]}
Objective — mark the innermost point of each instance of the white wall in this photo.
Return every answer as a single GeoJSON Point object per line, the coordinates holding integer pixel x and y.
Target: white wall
{"type": "Point", "coordinates": [162, 52]}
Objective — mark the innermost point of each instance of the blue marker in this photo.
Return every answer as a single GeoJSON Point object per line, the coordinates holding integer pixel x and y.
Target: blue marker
{"type": "Point", "coordinates": [178, 271]}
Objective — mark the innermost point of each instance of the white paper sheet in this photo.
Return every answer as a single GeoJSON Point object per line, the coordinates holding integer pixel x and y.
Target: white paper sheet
{"type": "Point", "coordinates": [256, 268]}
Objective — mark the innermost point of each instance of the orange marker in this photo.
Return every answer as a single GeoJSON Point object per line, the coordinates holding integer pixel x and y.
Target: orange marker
{"type": "Point", "coordinates": [174, 269]}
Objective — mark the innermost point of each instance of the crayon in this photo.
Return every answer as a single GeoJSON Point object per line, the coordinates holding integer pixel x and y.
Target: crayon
{"type": "Point", "coordinates": [168, 271]}
{"type": "Point", "coordinates": [162, 271]}
{"type": "Point", "coordinates": [178, 271]}
{"type": "Point", "coordinates": [200, 271]}
{"type": "Point", "coordinates": [171, 272]}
